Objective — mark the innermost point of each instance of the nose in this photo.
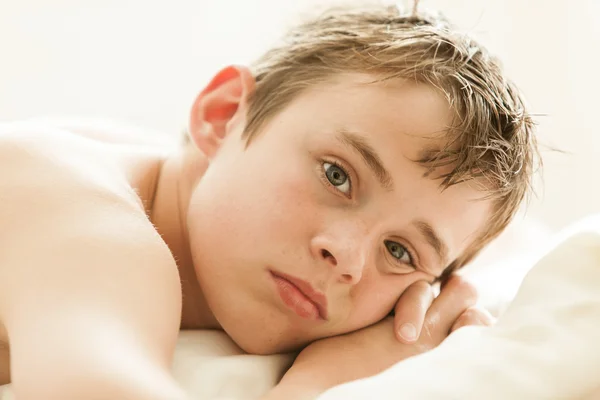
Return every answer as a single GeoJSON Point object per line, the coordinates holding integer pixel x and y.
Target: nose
{"type": "Point", "coordinates": [343, 255]}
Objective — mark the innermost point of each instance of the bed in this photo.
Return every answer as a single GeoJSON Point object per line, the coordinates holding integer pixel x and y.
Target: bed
{"type": "Point", "coordinates": [544, 345]}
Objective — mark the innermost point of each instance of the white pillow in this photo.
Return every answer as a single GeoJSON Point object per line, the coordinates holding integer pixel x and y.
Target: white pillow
{"type": "Point", "coordinates": [209, 365]}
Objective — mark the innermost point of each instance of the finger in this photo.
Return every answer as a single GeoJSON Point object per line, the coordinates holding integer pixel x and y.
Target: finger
{"type": "Point", "coordinates": [456, 296]}
{"type": "Point", "coordinates": [410, 311]}
{"type": "Point", "coordinates": [475, 316]}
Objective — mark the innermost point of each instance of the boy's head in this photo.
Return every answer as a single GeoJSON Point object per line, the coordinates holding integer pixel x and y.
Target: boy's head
{"type": "Point", "coordinates": [371, 149]}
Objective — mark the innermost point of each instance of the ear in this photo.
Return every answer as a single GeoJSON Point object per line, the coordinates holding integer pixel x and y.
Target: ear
{"type": "Point", "coordinates": [222, 101]}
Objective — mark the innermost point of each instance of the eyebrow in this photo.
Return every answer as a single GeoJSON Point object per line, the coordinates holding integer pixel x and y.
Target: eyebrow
{"type": "Point", "coordinates": [360, 144]}
{"type": "Point", "coordinates": [433, 239]}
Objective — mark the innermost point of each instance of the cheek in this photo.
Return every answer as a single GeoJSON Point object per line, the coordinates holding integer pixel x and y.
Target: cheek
{"type": "Point", "coordinates": [283, 206]}
{"type": "Point", "coordinates": [376, 296]}
{"type": "Point", "coordinates": [258, 202]}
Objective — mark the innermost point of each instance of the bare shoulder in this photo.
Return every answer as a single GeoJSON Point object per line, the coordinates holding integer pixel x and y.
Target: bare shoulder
{"type": "Point", "coordinates": [79, 258]}
{"type": "Point", "coordinates": [46, 170]}
{"type": "Point", "coordinates": [108, 130]}
{"type": "Point", "coordinates": [58, 190]}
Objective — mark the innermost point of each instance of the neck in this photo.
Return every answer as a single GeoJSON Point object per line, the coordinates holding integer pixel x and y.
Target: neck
{"type": "Point", "coordinates": [178, 176]}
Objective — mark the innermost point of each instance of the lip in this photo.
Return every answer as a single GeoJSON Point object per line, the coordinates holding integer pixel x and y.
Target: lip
{"type": "Point", "coordinates": [315, 297]}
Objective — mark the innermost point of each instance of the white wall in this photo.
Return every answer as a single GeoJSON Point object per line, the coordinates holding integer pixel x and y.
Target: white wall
{"type": "Point", "coordinates": [143, 61]}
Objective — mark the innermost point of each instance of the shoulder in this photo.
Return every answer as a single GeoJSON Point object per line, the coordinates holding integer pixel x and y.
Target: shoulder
{"type": "Point", "coordinates": [108, 130]}
{"type": "Point", "coordinates": [50, 173]}
{"type": "Point", "coordinates": [78, 254]}
{"type": "Point", "coordinates": [42, 163]}
{"type": "Point", "coordinates": [69, 214]}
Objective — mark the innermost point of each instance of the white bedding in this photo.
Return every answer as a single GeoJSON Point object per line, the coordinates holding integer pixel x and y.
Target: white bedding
{"type": "Point", "coordinates": [545, 346]}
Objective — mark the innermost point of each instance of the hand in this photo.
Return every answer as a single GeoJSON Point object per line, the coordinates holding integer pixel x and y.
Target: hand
{"type": "Point", "coordinates": [413, 306]}
{"type": "Point", "coordinates": [332, 361]}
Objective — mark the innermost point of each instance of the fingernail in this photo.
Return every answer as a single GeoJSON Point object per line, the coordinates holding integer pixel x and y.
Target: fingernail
{"type": "Point", "coordinates": [408, 332]}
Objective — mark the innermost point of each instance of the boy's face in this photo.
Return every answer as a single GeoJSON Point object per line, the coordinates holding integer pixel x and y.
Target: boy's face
{"type": "Point", "coordinates": [327, 193]}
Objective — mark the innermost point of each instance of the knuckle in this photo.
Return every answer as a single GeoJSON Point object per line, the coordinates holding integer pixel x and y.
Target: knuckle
{"type": "Point", "coordinates": [431, 321]}
{"type": "Point", "coordinates": [482, 316]}
{"type": "Point", "coordinates": [424, 290]}
{"type": "Point", "coordinates": [426, 333]}
{"type": "Point", "coordinates": [471, 314]}
{"type": "Point", "coordinates": [465, 319]}
{"type": "Point", "coordinates": [419, 290]}
{"type": "Point", "coordinates": [463, 287]}
{"type": "Point", "coordinates": [475, 316]}
{"type": "Point", "coordinates": [418, 293]}
{"type": "Point", "coordinates": [421, 286]}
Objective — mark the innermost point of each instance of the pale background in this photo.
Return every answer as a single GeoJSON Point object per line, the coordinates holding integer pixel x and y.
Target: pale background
{"type": "Point", "coordinates": [143, 62]}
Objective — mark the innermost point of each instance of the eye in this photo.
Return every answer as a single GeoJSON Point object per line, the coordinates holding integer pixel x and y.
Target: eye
{"type": "Point", "coordinates": [338, 177]}
{"type": "Point", "coordinates": [399, 252]}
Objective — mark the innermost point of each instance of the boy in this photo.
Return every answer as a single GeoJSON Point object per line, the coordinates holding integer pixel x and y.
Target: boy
{"type": "Point", "coordinates": [368, 156]}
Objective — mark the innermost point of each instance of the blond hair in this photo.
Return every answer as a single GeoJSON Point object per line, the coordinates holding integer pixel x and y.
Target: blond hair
{"type": "Point", "coordinates": [491, 139]}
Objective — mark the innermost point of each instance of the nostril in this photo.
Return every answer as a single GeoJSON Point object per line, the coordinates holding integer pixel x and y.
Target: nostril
{"type": "Point", "coordinates": [328, 256]}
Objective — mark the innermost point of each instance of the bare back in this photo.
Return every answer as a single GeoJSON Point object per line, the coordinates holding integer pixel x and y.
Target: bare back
{"type": "Point", "coordinates": [81, 266]}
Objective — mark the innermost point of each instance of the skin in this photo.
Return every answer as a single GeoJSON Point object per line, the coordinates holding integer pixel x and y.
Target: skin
{"type": "Point", "coordinates": [288, 218]}
{"type": "Point", "coordinates": [119, 212]}
{"type": "Point", "coordinates": [329, 362]}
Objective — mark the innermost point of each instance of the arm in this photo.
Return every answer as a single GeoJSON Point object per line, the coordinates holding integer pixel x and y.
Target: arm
{"type": "Point", "coordinates": [89, 294]}
{"type": "Point", "coordinates": [81, 327]}
{"type": "Point", "coordinates": [332, 361]}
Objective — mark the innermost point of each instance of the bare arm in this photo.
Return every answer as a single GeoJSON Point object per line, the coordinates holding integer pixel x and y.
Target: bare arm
{"type": "Point", "coordinates": [89, 294]}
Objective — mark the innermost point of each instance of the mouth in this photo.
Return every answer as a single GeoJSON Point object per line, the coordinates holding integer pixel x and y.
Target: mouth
{"type": "Point", "coordinates": [300, 296]}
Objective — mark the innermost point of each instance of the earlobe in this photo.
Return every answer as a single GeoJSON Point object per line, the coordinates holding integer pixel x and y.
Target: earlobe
{"type": "Point", "coordinates": [222, 101]}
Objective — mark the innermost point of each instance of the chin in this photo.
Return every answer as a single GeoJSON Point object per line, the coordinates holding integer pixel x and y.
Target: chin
{"type": "Point", "coordinates": [261, 348]}
{"type": "Point", "coordinates": [264, 344]}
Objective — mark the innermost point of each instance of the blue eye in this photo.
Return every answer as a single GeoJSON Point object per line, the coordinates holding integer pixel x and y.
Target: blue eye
{"type": "Point", "coordinates": [399, 252]}
{"type": "Point", "coordinates": [337, 177]}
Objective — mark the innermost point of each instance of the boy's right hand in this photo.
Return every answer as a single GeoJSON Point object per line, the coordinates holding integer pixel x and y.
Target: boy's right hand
{"type": "Point", "coordinates": [366, 352]}
{"type": "Point", "coordinates": [413, 310]}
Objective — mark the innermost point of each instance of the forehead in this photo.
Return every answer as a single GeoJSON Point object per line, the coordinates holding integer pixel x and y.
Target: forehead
{"type": "Point", "coordinates": [400, 120]}
{"type": "Point", "coordinates": [416, 113]}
